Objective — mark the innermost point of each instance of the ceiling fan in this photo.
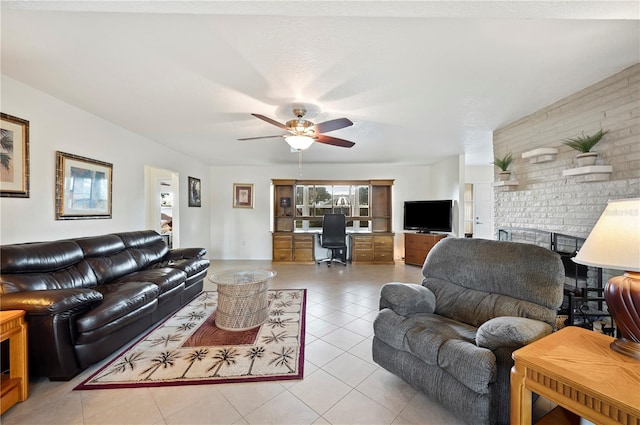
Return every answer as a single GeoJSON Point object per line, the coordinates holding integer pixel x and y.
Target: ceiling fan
{"type": "Point", "coordinates": [302, 133]}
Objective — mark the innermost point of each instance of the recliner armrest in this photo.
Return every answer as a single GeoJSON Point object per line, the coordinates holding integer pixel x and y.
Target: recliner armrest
{"type": "Point", "coordinates": [182, 253]}
{"type": "Point", "coordinates": [512, 332]}
{"type": "Point", "coordinates": [407, 298]}
{"type": "Point", "coordinates": [50, 301]}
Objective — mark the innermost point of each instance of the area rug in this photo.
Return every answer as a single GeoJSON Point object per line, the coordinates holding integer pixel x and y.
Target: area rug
{"type": "Point", "coordinates": [188, 348]}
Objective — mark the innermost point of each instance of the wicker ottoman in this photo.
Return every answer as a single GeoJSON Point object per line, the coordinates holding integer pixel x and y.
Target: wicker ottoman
{"type": "Point", "coordinates": [242, 298]}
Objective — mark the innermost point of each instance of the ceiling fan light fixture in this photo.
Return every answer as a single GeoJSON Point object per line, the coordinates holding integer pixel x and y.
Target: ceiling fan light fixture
{"type": "Point", "coordinates": [299, 143]}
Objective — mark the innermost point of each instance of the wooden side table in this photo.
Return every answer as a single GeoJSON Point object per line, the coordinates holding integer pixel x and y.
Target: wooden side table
{"type": "Point", "coordinates": [15, 387]}
{"type": "Point", "coordinates": [576, 369]}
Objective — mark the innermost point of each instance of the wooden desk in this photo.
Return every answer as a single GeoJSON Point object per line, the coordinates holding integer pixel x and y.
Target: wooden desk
{"type": "Point", "coordinates": [15, 387]}
{"type": "Point", "coordinates": [576, 369]}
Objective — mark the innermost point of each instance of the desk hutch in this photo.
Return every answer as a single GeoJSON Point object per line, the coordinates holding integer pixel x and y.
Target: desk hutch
{"type": "Point", "coordinates": [292, 242]}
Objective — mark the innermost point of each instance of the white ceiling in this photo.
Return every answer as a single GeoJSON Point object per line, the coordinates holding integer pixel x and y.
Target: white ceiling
{"type": "Point", "coordinates": [421, 80]}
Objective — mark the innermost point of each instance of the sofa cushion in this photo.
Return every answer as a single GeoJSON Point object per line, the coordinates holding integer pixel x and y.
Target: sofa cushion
{"type": "Point", "coordinates": [191, 267]}
{"type": "Point", "coordinates": [108, 257]}
{"type": "Point", "coordinates": [119, 299]}
{"type": "Point", "coordinates": [440, 342]}
{"type": "Point", "coordinates": [43, 266]}
{"type": "Point", "coordinates": [165, 278]}
{"type": "Point", "coordinates": [146, 247]}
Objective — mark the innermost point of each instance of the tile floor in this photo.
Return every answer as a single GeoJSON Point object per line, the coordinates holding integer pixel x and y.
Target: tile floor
{"type": "Point", "coordinates": [341, 385]}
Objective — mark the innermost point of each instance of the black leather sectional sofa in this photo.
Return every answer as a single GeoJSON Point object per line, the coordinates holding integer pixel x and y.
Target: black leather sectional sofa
{"type": "Point", "coordinates": [85, 298]}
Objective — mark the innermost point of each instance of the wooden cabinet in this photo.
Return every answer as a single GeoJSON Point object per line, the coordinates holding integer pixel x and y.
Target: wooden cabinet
{"type": "Point", "coordinates": [381, 205]}
{"type": "Point", "coordinates": [295, 221]}
{"type": "Point", "coordinates": [303, 247]}
{"type": "Point", "coordinates": [418, 245]}
{"type": "Point", "coordinates": [297, 247]}
{"type": "Point", "coordinates": [372, 248]}
{"type": "Point", "coordinates": [282, 247]}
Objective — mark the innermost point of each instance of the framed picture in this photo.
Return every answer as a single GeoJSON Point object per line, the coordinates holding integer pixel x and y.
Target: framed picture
{"type": "Point", "coordinates": [195, 192]}
{"type": "Point", "coordinates": [242, 195]}
{"type": "Point", "coordinates": [83, 187]}
{"type": "Point", "coordinates": [14, 157]}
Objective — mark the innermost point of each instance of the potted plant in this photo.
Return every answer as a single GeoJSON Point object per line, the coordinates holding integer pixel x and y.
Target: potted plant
{"type": "Point", "coordinates": [503, 163]}
{"type": "Point", "coordinates": [584, 144]}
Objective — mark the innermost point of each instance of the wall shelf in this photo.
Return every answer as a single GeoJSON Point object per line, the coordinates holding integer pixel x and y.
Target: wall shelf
{"type": "Point", "coordinates": [505, 183]}
{"type": "Point", "coordinates": [591, 173]}
{"type": "Point", "coordinates": [538, 156]}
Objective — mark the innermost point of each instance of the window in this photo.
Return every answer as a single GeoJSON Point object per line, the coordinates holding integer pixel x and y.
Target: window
{"type": "Point", "coordinates": [314, 201]}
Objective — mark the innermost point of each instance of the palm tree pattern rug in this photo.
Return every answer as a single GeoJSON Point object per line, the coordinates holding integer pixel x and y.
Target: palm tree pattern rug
{"type": "Point", "coordinates": [189, 349]}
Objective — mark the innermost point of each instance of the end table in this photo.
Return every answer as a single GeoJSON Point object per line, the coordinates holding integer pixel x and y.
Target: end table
{"type": "Point", "coordinates": [576, 369]}
{"type": "Point", "coordinates": [15, 387]}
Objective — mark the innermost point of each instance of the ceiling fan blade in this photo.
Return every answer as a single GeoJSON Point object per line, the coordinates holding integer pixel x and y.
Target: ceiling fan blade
{"type": "Point", "coordinates": [328, 140]}
{"type": "Point", "coordinates": [331, 125]}
{"type": "Point", "coordinates": [270, 121]}
{"type": "Point", "coordinates": [259, 137]}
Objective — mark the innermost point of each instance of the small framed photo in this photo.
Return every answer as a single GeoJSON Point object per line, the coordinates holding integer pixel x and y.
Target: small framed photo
{"type": "Point", "coordinates": [195, 192]}
{"type": "Point", "coordinates": [242, 195]}
{"type": "Point", "coordinates": [14, 157]}
{"type": "Point", "coordinates": [83, 187]}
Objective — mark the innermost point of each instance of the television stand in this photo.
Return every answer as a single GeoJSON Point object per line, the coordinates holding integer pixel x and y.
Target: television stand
{"type": "Point", "coordinates": [418, 245]}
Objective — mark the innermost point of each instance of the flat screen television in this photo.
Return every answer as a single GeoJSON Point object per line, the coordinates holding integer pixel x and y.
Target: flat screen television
{"type": "Point", "coordinates": [428, 216]}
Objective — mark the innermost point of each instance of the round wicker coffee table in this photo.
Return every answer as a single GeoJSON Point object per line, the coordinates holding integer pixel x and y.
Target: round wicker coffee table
{"type": "Point", "coordinates": [242, 298]}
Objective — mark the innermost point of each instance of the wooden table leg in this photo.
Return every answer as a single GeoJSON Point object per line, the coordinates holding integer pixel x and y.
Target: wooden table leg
{"type": "Point", "coordinates": [520, 399]}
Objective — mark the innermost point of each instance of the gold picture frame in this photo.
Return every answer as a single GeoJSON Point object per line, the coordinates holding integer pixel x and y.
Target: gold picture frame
{"type": "Point", "coordinates": [83, 187]}
{"type": "Point", "coordinates": [242, 195]}
{"type": "Point", "coordinates": [14, 152]}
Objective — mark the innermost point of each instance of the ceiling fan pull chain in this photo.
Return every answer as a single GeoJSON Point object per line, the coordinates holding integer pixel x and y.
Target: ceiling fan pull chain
{"type": "Point", "coordinates": [300, 161]}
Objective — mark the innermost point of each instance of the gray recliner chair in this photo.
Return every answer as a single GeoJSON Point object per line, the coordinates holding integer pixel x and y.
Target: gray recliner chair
{"type": "Point", "coordinates": [452, 337]}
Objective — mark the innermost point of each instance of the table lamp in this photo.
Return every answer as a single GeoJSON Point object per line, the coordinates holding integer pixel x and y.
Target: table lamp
{"type": "Point", "coordinates": [614, 243]}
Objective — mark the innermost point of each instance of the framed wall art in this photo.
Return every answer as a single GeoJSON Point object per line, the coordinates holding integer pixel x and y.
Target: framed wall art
{"type": "Point", "coordinates": [14, 157]}
{"type": "Point", "coordinates": [242, 195]}
{"type": "Point", "coordinates": [195, 192]}
{"type": "Point", "coordinates": [83, 187]}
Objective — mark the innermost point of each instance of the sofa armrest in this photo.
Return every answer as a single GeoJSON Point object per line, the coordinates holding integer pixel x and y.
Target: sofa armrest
{"type": "Point", "coordinates": [50, 301]}
{"type": "Point", "coordinates": [512, 332]}
{"type": "Point", "coordinates": [181, 253]}
{"type": "Point", "coordinates": [407, 298]}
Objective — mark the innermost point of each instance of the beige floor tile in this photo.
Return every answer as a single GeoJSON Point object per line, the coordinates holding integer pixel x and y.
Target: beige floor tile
{"type": "Point", "coordinates": [320, 391]}
{"type": "Point", "coordinates": [65, 410]}
{"type": "Point", "coordinates": [422, 410]}
{"type": "Point", "coordinates": [388, 390]}
{"type": "Point", "coordinates": [172, 399]}
{"type": "Point", "coordinates": [320, 352]}
{"type": "Point", "coordinates": [320, 327]}
{"type": "Point", "coordinates": [134, 406]}
{"type": "Point", "coordinates": [249, 396]}
{"type": "Point", "coordinates": [343, 338]}
{"type": "Point", "coordinates": [284, 409]}
{"type": "Point", "coordinates": [361, 327]}
{"type": "Point", "coordinates": [339, 318]}
{"type": "Point", "coordinates": [350, 369]}
{"type": "Point", "coordinates": [363, 351]}
{"type": "Point", "coordinates": [208, 410]}
{"type": "Point", "coordinates": [356, 408]}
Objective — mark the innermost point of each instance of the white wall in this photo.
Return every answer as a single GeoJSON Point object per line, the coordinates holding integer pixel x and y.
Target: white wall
{"type": "Point", "coordinates": [58, 126]}
{"type": "Point", "coordinates": [238, 233]}
{"type": "Point", "coordinates": [447, 182]}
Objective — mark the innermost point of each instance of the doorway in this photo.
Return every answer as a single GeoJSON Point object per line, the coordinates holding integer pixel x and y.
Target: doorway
{"type": "Point", "coordinates": [162, 204]}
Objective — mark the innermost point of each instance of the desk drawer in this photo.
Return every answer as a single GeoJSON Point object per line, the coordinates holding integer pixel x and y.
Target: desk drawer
{"type": "Point", "coordinates": [282, 255]}
{"type": "Point", "coordinates": [363, 255]}
{"type": "Point", "coordinates": [303, 241]}
{"type": "Point", "coordinates": [282, 242]}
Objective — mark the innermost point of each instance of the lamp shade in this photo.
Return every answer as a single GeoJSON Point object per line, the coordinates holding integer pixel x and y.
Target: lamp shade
{"type": "Point", "coordinates": [299, 143]}
{"type": "Point", "coordinates": [614, 242]}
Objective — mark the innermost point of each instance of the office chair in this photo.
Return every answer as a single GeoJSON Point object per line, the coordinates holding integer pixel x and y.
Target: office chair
{"type": "Point", "coordinates": [334, 238]}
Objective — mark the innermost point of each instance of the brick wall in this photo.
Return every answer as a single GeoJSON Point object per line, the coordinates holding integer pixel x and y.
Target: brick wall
{"type": "Point", "coordinates": [545, 199]}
